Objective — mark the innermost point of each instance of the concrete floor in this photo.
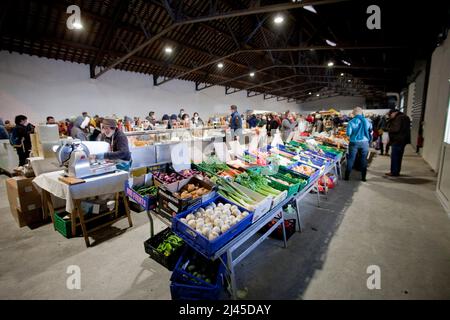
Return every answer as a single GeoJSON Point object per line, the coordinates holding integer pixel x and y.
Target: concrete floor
{"type": "Point", "coordinates": [394, 223]}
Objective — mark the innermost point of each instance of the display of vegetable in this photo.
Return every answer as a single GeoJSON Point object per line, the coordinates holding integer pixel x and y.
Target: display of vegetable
{"type": "Point", "coordinates": [257, 183]}
{"type": "Point", "coordinates": [167, 177]}
{"type": "Point", "coordinates": [200, 269]}
{"type": "Point", "coordinates": [248, 158]}
{"type": "Point", "coordinates": [230, 192]}
{"type": "Point", "coordinates": [187, 173]}
{"type": "Point", "coordinates": [280, 181]}
{"type": "Point", "coordinates": [169, 245]}
{"type": "Point", "coordinates": [214, 220]}
{"type": "Point", "coordinates": [191, 190]}
{"type": "Point", "coordinates": [303, 169]}
{"type": "Point", "coordinates": [212, 167]}
{"type": "Point", "coordinates": [146, 190]}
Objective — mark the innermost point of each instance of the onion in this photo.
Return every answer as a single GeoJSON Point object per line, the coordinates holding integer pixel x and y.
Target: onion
{"type": "Point", "coordinates": [192, 223]}
{"type": "Point", "coordinates": [224, 228]}
{"type": "Point", "coordinates": [212, 235]}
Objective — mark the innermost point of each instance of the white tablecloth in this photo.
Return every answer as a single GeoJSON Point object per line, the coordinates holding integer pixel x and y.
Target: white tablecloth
{"type": "Point", "coordinates": [95, 186]}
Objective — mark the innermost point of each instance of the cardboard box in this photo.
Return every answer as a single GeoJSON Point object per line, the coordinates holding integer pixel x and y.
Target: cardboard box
{"type": "Point", "coordinates": [28, 218]}
{"type": "Point", "coordinates": [22, 194]}
{"type": "Point", "coordinates": [171, 204]}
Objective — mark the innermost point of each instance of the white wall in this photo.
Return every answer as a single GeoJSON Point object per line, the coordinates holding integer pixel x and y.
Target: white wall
{"type": "Point", "coordinates": [436, 104]}
{"type": "Point", "coordinates": [38, 87]}
{"type": "Point", "coordinates": [338, 103]}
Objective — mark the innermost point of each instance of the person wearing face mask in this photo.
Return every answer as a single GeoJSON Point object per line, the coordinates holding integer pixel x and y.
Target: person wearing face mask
{"type": "Point", "coordinates": [78, 129]}
{"type": "Point", "coordinates": [20, 138]}
{"type": "Point", "coordinates": [197, 121]}
{"type": "Point", "coordinates": [118, 143]}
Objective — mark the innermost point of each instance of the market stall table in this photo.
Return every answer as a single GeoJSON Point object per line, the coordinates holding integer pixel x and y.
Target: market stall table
{"type": "Point", "coordinates": [111, 183]}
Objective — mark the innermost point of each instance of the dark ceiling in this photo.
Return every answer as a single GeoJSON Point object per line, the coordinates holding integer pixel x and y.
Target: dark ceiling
{"type": "Point", "coordinates": [380, 60]}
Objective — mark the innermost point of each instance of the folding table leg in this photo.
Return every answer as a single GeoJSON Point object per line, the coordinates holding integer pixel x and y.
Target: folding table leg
{"type": "Point", "coordinates": [152, 227]}
{"type": "Point", "coordinates": [284, 232]}
{"type": "Point", "coordinates": [299, 219]}
{"type": "Point", "coordinates": [80, 213]}
{"type": "Point", "coordinates": [318, 194]}
{"type": "Point", "coordinates": [127, 208]}
{"type": "Point", "coordinates": [232, 276]}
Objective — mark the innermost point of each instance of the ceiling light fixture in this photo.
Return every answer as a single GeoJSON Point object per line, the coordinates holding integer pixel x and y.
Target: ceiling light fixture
{"type": "Point", "coordinates": [310, 8]}
{"type": "Point", "coordinates": [310, 93]}
{"type": "Point", "coordinates": [346, 62]}
{"type": "Point", "coordinates": [168, 50]}
{"type": "Point", "coordinates": [317, 95]}
{"type": "Point", "coordinates": [331, 63]}
{"type": "Point", "coordinates": [349, 80]}
{"type": "Point", "coordinates": [278, 19]}
{"type": "Point", "coordinates": [220, 65]}
{"type": "Point", "coordinates": [252, 74]}
{"type": "Point", "coordinates": [342, 74]}
{"type": "Point", "coordinates": [331, 43]}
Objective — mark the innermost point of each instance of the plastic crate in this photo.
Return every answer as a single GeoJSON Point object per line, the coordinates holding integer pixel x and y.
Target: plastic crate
{"type": "Point", "coordinates": [185, 286]}
{"type": "Point", "coordinates": [278, 232]}
{"type": "Point", "coordinates": [201, 243]}
{"type": "Point", "coordinates": [64, 226]}
{"type": "Point", "coordinates": [292, 189]}
{"type": "Point", "coordinates": [312, 177]}
{"type": "Point", "coordinates": [152, 244]}
{"type": "Point", "coordinates": [147, 202]}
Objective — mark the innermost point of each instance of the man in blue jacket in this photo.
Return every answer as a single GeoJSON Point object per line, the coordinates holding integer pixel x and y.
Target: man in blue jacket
{"type": "Point", "coordinates": [235, 124]}
{"type": "Point", "coordinates": [359, 130]}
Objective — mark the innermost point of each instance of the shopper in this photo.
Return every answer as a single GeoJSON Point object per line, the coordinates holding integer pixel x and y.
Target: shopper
{"type": "Point", "coordinates": [197, 121]}
{"type": "Point", "coordinates": [185, 121]}
{"type": "Point", "coordinates": [146, 125]}
{"type": "Point", "coordinates": [118, 143]}
{"type": "Point", "coordinates": [180, 115]}
{"type": "Point", "coordinates": [399, 137]}
{"type": "Point", "coordinates": [165, 121]}
{"type": "Point", "coordinates": [151, 117]}
{"type": "Point", "coordinates": [302, 124]}
{"type": "Point", "coordinates": [20, 138]}
{"type": "Point", "coordinates": [4, 135]}
{"type": "Point", "coordinates": [77, 131]}
{"type": "Point", "coordinates": [287, 126]}
{"type": "Point", "coordinates": [97, 131]}
{"type": "Point", "coordinates": [359, 130]}
{"type": "Point", "coordinates": [50, 120]}
{"type": "Point", "coordinates": [252, 121]}
{"type": "Point", "coordinates": [262, 121]}
{"type": "Point", "coordinates": [319, 123]}
{"type": "Point", "coordinates": [274, 124]}
{"type": "Point", "coordinates": [235, 124]}
{"type": "Point", "coordinates": [384, 135]}
{"type": "Point", "coordinates": [173, 122]}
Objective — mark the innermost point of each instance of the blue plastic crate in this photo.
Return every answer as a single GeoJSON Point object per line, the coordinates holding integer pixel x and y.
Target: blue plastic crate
{"type": "Point", "coordinates": [201, 243]}
{"type": "Point", "coordinates": [314, 176]}
{"type": "Point", "coordinates": [147, 202]}
{"type": "Point", "coordinates": [185, 286]}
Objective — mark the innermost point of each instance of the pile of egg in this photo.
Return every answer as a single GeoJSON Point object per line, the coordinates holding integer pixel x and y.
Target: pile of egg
{"type": "Point", "coordinates": [214, 220]}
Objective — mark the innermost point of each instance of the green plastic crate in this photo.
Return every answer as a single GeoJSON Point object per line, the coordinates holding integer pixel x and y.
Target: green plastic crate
{"type": "Point", "coordinates": [292, 189]}
{"type": "Point", "coordinates": [64, 226]}
{"type": "Point", "coordinates": [303, 179]}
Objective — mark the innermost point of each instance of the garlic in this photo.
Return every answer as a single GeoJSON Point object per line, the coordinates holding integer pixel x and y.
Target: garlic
{"type": "Point", "coordinates": [213, 205]}
{"type": "Point", "coordinates": [224, 228]}
{"type": "Point", "coordinates": [218, 222]}
{"type": "Point", "coordinates": [244, 214]}
{"type": "Point", "coordinates": [233, 207]}
{"type": "Point", "coordinates": [228, 206]}
{"type": "Point", "coordinates": [183, 220]}
{"type": "Point", "coordinates": [216, 230]}
{"type": "Point", "coordinates": [190, 216]}
{"type": "Point", "coordinates": [205, 231]}
{"type": "Point", "coordinates": [199, 224]}
{"type": "Point", "coordinates": [220, 205]}
{"type": "Point", "coordinates": [212, 235]}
